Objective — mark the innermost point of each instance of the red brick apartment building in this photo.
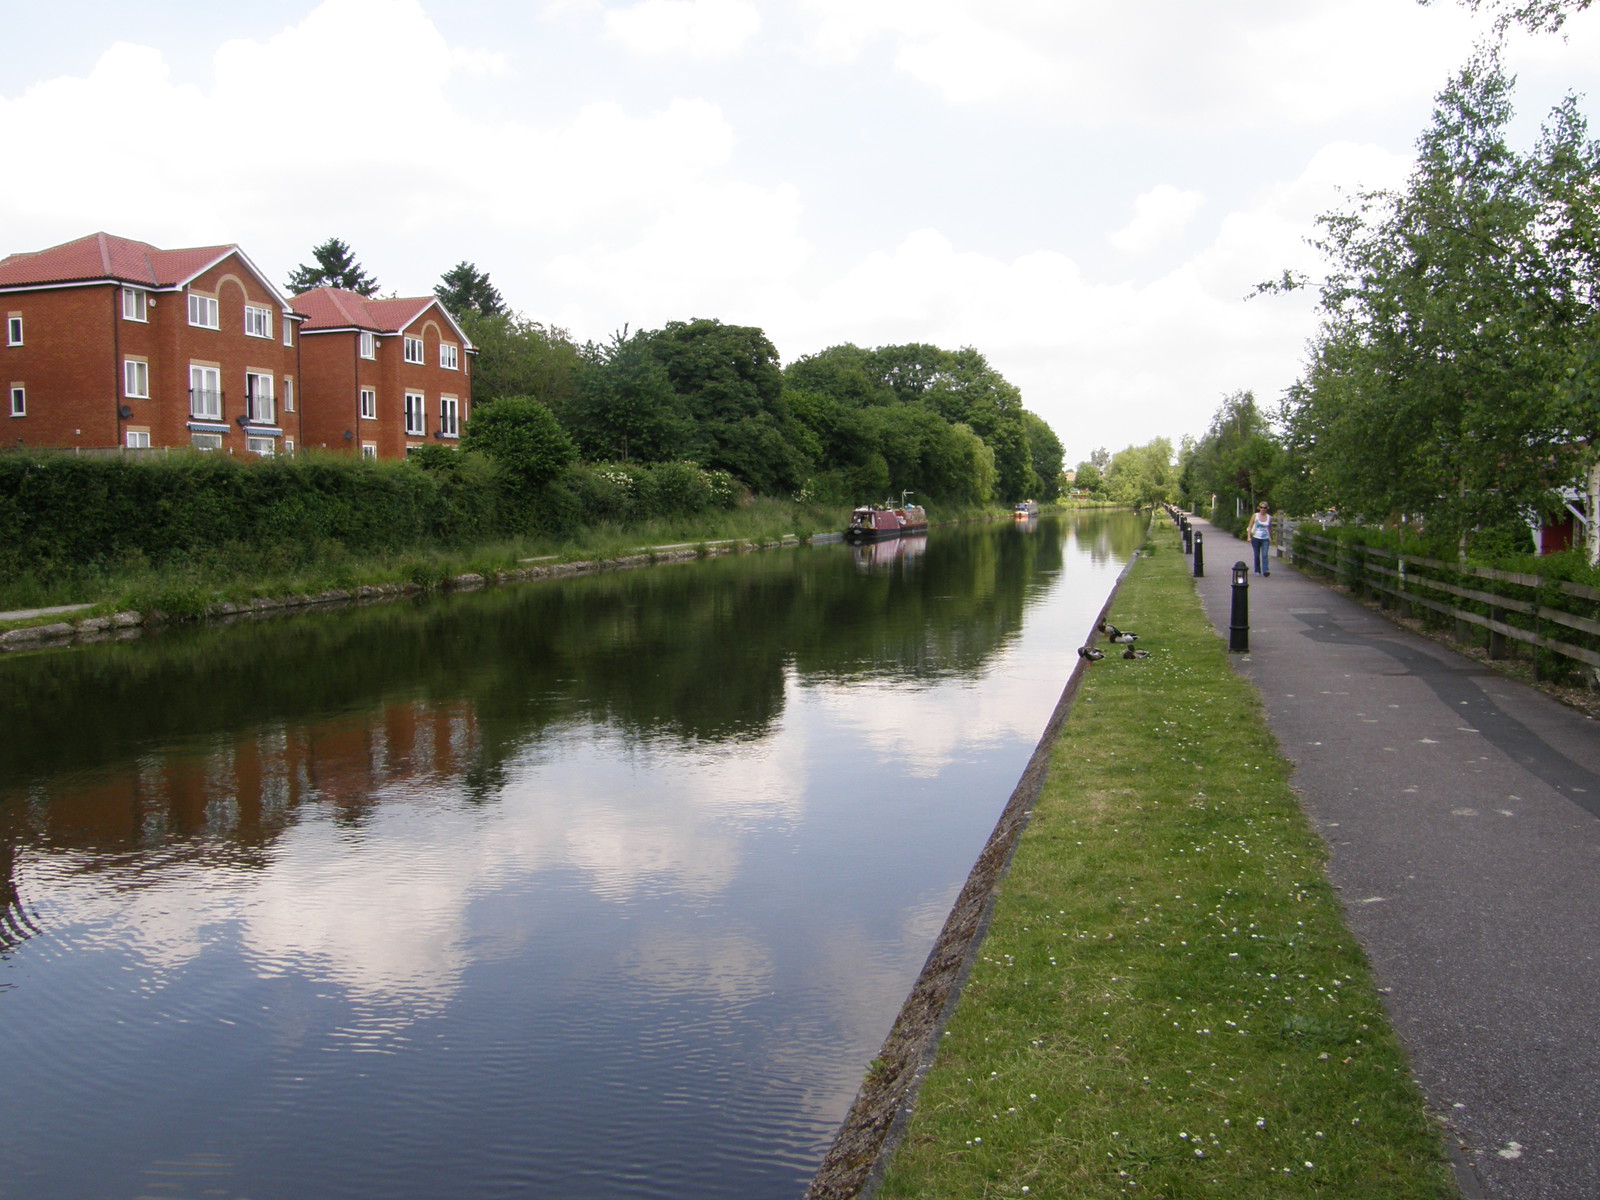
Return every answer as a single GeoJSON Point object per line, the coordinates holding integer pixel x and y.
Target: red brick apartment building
{"type": "Point", "coordinates": [381, 376]}
{"type": "Point", "coordinates": [111, 342]}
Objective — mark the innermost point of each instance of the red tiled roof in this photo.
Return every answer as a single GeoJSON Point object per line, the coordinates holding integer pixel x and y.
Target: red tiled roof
{"type": "Point", "coordinates": [106, 256]}
{"type": "Point", "coordinates": [328, 308]}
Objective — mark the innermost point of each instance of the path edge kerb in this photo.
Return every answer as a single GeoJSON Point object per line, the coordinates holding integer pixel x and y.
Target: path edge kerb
{"type": "Point", "coordinates": [876, 1123]}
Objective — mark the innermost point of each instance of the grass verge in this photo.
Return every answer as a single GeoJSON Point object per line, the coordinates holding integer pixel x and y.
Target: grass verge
{"type": "Point", "coordinates": [1167, 1002]}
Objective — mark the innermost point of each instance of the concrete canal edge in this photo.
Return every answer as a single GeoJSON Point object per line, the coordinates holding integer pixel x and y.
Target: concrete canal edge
{"type": "Point", "coordinates": [877, 1119]}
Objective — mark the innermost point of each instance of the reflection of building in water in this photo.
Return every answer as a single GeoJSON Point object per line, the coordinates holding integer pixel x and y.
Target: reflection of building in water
{"type": "Point", "coordinates": [228, 801]}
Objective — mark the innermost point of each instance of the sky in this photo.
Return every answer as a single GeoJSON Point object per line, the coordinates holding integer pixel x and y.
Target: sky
{"type": "Point", "coordinates": [1085, 193]}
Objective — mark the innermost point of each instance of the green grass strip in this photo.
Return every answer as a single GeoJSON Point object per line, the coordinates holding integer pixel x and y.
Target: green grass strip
{"type": "Point", "coordinates": [1167, 1002]}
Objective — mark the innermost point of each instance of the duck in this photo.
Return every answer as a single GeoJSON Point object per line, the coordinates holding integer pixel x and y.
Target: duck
{"type": "Point", "coordinates": [1090, 654]}
{"type": "Point", "coordinates": [1119, 636]}
{"type": "Point", "coordinates": [1130, 652]}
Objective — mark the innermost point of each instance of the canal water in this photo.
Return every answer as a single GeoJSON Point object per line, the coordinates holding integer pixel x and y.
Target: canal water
{"type": "Point", "coordinates": [602, 888]}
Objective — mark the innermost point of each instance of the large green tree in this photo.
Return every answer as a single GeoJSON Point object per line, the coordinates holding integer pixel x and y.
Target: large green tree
{"type": "Point", "coordinates": [465, 289]}
{"type": "Point", "coordinates": [731, 385]}
{"type": "Point", "coordinates": [1445, 381]}
{"type": "Point", "coordinates": [1143, 475]}
{"type": "Point", "coordinates": [332, 265]}
{"type": "Point", "coordinates": [1236, 464]}
{"type": "Point", "coordinates": [626, 408]}
{"type": "Point", "coordinates": [519, 357]}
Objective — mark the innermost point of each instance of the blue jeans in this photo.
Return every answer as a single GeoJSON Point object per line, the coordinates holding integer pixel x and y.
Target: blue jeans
{"type": "Point", "coordinates": [1261, 548]}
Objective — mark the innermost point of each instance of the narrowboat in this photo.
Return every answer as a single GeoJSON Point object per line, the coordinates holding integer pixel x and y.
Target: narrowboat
{"type": "Point", "coordinates": [873, 521]}
{"type": "Point", "coordinates": [1026, 510]}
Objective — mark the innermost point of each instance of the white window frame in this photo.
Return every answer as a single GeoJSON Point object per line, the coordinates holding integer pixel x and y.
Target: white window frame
{"type": "Point", "coordinates": [204, 311]}
{"type": "Point", "coordinates": [259, 408]}
{"type": "Point", "coordinates": [288, 332]}
{"type": "Point", "coordinates": [264, 446]}
{"type": "Point", "coordinates": [206, 442]}
{"type": "Point", "coordinates": [19, 400]}
{"type": "Point", "coordinates": [369, 450]}
{"type": "Point", "coordinates": [449, 416]}
{"type": "Point", "coordinates": [368, 344]}
{"type": "Point", "coordinates": [137, 439]}
{"type": "Point", "coordinates": [205, 382]}
{"type": "Point", "coordinates": [288, 393]}
{"type": "Point", "coordinates": [14, 331]}
{"type": "Point", "coordinates": [135, 305]}
{"type": "Point", "coordinates": [257, 321]}
{"type": "Point", "coordinates": [416, 414]}
{"type": "Point", "coordinates": [449, 356]}
{"type": "Point", "coordinates": [415, 352]}
{"type": "Point", "coordinates": [136, 378]}
{"type": "Point", "coordinates": [288, 447]}
{"type": "Point", "coordinates": [369, 404]}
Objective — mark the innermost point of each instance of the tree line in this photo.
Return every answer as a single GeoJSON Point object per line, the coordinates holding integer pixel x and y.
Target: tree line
{"type": "Point", "coordinates": [1453, 382]}
{"type": "Point", "coordinates": [846, 425]}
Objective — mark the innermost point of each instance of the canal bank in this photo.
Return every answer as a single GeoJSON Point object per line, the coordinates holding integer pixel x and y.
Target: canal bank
{"type": "Point", "coordinates": [1164, 998]}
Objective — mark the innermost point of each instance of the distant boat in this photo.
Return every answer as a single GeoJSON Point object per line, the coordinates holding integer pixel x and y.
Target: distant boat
{"type": "Point", "coordinates": [1026, 510]}
{"type": "Point", "coordinates": [871, 522]}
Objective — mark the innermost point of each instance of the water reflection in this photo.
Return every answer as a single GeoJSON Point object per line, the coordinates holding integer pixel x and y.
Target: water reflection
{"type": "Point", "coordinates": [605, 888]}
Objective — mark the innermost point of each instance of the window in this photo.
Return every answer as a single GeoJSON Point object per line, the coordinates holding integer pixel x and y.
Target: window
{"type": "Point", "coordinates": [369, 404]}
{"type": "Point", "coordinates": [137, 439]}
{"type": "Point", "coordinates": [447, 356]}
{"type": "Point", "coordinates": [288, 394]}
{"type": "Point", "coordinates": [206, 441]}
{"type": "Point", "coordinates": [449, 416]}
{"type": "Point", "coordinates": [257, 321]}
{"type": "Point", "coordinates": [203, 311]}
{"type": "Point", "coordinates": [288, 447]}
{"type": "Point", "coordinates": [369, 449]}
{"type": "Point", "coordinates": [288, 332]}
{"type": "Point", "coordinates": [135, 305]}
{"type": "Point", "coordinates": [19, 400]}
{"type": "Point", "coordinates": [136, 378]}
{"type": "Point", "coordinates": [205, 393]}
{"type": "Point", "coordinates": [414, 350]}
{"type": "Point", "coordinates": [265, 447]}
{"type": "Point", "coordinates": [369, 345]}
{"type": "Point", "coordinates": [13, 331]}
{"type": "Point", "coordinates": [416, 416]}
{"type": "Point", "coordinates": [258, 401]}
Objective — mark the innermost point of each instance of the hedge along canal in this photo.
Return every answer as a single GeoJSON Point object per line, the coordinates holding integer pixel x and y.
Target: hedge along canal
{"type": "Point", "coordinates": [1146, 987]}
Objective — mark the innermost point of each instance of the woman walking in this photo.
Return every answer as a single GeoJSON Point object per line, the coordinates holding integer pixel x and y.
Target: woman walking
{"type": "Point", "coordinates": [1261, 539]}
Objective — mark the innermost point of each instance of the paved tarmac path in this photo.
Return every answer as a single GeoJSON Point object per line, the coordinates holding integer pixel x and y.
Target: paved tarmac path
{"type": "Point", "coordinates": [1462, 816]}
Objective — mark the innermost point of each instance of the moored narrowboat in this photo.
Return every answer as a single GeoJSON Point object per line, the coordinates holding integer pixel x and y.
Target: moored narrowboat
{"type": "Point", "coordinates": [873, 521]}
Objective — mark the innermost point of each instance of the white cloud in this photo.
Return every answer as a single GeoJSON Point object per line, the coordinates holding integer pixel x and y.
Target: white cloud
{"type": "Point", "coordinates": [1158, 216]}
{"type": "Point", "coordinates": [700, 29]}
{"type": "Point", "coordinates": [1168, 61]}
{"type": "Point", "coordinates": [708, 242]}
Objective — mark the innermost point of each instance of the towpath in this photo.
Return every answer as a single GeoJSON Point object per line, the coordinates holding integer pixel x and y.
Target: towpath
{"type": "Point", "coordinates": [1462, 816]}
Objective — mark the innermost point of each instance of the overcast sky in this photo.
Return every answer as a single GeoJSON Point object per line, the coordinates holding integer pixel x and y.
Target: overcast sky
{"type": "Point", "coordinates": [1084, 192]}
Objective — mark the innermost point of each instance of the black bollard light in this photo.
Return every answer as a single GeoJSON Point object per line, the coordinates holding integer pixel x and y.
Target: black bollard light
{"type": "Point", "coordinates": [1239, 621]}
{"type": "Point", "coordinates": [1199, 557]}
{"type": "Point", "coordinates": [1188, 536]}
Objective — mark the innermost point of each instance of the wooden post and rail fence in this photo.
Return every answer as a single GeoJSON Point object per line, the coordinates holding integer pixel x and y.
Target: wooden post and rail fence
{"type": "Point", "coordinates": [1497, 609]}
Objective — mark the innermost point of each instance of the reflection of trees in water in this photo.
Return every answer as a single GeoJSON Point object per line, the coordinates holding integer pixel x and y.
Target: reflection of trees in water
{"type": "Point", "coordinates": [201, 744]}
{"type": "Point", "coordinates": [16, 924]}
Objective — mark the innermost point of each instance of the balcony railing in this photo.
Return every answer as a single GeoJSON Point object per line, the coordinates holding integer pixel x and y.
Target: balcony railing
{"type": "Point", "coordinates": [205, 402]}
